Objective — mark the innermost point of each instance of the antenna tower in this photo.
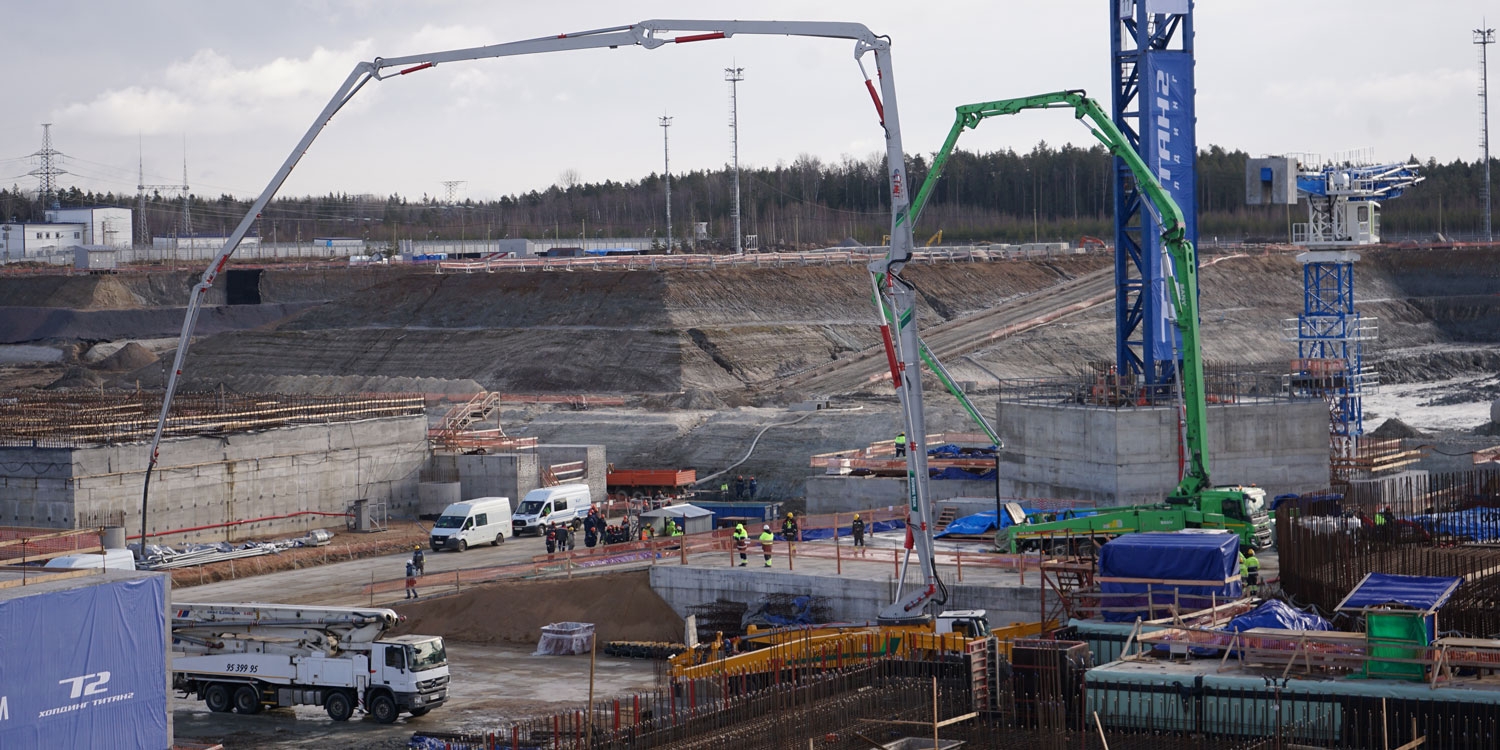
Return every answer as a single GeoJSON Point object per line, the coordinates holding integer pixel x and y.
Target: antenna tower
{"type": "Point", "coordinates": [734, 76]}
{"type": "Point", "coordinates": [47, 169]}
{"type": "Point", "coordinates": [666, 155]}
{"type": "Point", "coordinates": [187, 200]}
{"type": "Point", "coordinates": [1484, 38]}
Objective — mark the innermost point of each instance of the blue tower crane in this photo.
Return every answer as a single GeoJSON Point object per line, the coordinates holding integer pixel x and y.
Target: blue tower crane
{"type": "Point", "coordinates": [1151, 67]}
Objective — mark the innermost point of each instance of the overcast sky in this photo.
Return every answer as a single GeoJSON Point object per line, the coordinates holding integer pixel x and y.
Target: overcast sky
{"type": "Point", "coordinates": [240, 82]}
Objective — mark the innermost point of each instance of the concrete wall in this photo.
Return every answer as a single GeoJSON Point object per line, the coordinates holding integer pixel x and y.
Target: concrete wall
{"type": "Point", "coordinates": [843, 494]}
{"type": "Point", "coordinates": [513, 475]}
{"type": "Point", "coordinates": [849, 599]}
{"type": "Point", "coordinates": [1109, 456]}
{"type": "Point", "coordinates": [210, 481]}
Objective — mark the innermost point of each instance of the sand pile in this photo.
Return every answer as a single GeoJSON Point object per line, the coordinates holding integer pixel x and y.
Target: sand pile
{"type": "Point", "coordinates": [131, 356]}
{"type": "Point", "coordinates": [76, 377]}
{"type": "Point", "coordinates": [622, 607]}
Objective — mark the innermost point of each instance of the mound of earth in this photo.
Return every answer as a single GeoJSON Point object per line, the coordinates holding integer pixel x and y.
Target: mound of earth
{"type": "Point", "coordinates": [622, 607]}
{"type": "Point", "coordinates": [1395, 428]}
{"type": "Point", "coordinates": [77, 377]}
{"type": "Point", "coordinates": [130, 357]}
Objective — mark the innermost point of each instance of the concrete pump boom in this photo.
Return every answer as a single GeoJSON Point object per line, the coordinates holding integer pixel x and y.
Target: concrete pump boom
{"type": "Point", "coordinates": [896, 298]}
{"type": "Point", "coordinates": [1182, 281]}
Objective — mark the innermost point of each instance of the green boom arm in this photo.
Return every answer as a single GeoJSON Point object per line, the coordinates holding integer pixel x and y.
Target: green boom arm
{"type": "Point", "coordinates": [1183, 284]}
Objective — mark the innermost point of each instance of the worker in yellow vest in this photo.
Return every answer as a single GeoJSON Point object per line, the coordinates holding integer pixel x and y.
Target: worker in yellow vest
{"type": "Point", "coordinates": [900, 444]}
{"type": "Point", "coordinates": [1250, 572]}
{"type": "Point", "coordinates": [741, 541]}
{"type": "Point", "coordinates": [766, 540]}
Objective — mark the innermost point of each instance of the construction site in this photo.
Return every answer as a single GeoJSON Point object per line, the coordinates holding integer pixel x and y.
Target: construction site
{"type": "Point", "coordinates": [1133, 493]}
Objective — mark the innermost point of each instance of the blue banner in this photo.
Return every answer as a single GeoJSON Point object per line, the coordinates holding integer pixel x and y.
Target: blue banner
{"type": "Point", "coordinates": [85, 667]}
{"type": "Point", "coordinates": [1169, 144]}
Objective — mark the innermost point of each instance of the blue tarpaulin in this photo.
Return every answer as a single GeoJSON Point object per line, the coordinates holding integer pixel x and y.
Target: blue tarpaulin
{"type": "Point", "coordinates": [1421, 593]}
{"type": "Point", "coordinates": [1162, 556]}
{"type": "Point", "coordinates": [1278, 615]}
{"type": "Point", "coordinates": [952, 450]}
{"type": "Point", "coordinates": [1476, 524]}
{"type": "Point", "coordinates": [979, 523]}
{"type": "Point", "coordinates": [953, 472]}
{"type": "Point", "coordinates": [844, 531]}
{"type": "Point", "coordinates": [85, 666]}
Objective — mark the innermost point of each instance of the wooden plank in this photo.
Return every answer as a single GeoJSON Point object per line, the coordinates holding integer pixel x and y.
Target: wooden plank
{"type": "Point", "coordinates": [35, 576]}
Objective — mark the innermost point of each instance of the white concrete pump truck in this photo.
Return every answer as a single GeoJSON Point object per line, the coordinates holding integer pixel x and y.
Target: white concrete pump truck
{"type": "Point", "coordinates": [246, 657]}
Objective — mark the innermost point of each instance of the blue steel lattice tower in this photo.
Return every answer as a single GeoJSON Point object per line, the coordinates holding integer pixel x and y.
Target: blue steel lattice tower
{"type": "Point", "coordinates": [1330, 337]}
{"type": "Point", "coordinates": [1151, 67]}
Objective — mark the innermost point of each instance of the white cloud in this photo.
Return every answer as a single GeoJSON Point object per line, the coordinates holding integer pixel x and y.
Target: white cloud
{"type": "Point", "coordinates": [207, 93]}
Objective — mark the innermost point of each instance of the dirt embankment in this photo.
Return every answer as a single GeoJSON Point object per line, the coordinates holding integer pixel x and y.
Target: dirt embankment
{"type": "Point", "coordinates": [622, 607]}
{"type": "Point", "coordinates": [632, 332]}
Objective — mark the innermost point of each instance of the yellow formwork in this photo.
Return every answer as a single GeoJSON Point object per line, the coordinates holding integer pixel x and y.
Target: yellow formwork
{"type": "Point", "coordinates": [829, 646]}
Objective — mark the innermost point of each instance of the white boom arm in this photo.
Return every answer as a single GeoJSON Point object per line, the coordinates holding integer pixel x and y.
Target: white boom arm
{"type": "Point", "coordinates": [277, 628]}
{"type": "Point", "coordinates": [893, 294]}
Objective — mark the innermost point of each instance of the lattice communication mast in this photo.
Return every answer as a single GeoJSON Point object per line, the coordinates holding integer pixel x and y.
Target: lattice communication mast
{"type": "Point", "coordinates": [1151, 67]}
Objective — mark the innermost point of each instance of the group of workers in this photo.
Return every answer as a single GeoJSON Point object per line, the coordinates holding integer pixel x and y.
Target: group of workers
{"type": "Point", "coordinates": [789, 532]}
{"type": "Point", "coordinates": [743, 489]}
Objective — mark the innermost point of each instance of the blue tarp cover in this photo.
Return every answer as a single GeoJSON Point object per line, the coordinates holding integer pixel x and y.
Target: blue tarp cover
{"type": "Point", "coordinates": [953, 472]}
{"type": "Point", "coordinates": [1176, 556]}
{"type": "Point", "coordinates": [1422, 593]}
{"type": "Point", "coordinates": [1279, 615]}
{"type": "Point", "coordinates": [1172, 556]}
{"type": "Point", "coordinates": [952, 450]}
{"type": "Point", "coordinates": [1475, 524]}
{"type": "Point", "coordinates": [844, 531]}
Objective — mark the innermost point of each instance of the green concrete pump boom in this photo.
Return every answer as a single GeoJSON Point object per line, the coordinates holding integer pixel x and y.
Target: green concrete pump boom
{"type": "Point", "coordinates": [1183, 275]}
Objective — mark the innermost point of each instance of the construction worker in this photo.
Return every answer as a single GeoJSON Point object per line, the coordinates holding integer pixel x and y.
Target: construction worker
{"type": "Point", "coordinates": [411, 578]}
{"type": "Point", "coordinates": [419, 559]}
{"type": "Point", "coordinates": [1250, 572]}
{"type": "Point", "coordinates": [724, 489]}
{"type": "Point", "coordinates": [900, 444]}
{"type": "Point", "coordinates": [789, 528]}
{"type": "Point", "coordinates": [671, 529]}
{"type": "Point", "coordinates": [551, 538]}
{"type": "Point", "coordinates": [739, 487]}
{"type": "Point", "coordinates": [858, 527]}
{"type": "Point", "coordinates": [591, 528]}
{"type": "Point", "coordinates": [766, 540]}
{"type": "Point", "coordinates": [751, 486]}
{"type": "Point", "coordinates": [741, 541]}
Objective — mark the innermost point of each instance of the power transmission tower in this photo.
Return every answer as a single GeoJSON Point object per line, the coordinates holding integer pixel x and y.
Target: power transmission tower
{"type": "Point", "coordinates": [666, 155]}
{"type": "Point", "coordinates": [1484, 38]}
{"type": "Point", "coordinates": [734, 76]}
{"type": "Point", "coordinates": [142, 231]}
{"type": "Point", "coordinates": [47, 170]}
{"type": "Point", "coordinates": [450, 191]}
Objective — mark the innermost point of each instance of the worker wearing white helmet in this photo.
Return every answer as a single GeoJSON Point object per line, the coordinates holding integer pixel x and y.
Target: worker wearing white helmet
{"type": "Point", "coordinates": [766, 540]}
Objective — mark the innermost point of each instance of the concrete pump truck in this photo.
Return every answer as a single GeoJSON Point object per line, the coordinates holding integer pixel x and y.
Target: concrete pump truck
{"type": "Point", "coordinates": [1195, 502]}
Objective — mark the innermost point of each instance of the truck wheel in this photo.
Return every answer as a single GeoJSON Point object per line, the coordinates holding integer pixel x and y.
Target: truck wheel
{"type": "Point", "coordinates": [383, 708]}
{"type": "Point", "coordinates": [216, 696]}
{"type": "Point", "coordinates": [340, 706]}
{"type": "Point", "coordinates": [499, 539]}
{"type": "Point", "coordinates": [246, 700]}
{"type": "Point", "coordinates": [462, 545]}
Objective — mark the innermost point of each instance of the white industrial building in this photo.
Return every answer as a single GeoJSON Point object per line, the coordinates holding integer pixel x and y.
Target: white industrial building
{"type": "Point", "coordinates": [38, 242]}
{"type": "Point", "coordinates": [105, 226]}
{"type": "Point", "coordinates": [53, 240]}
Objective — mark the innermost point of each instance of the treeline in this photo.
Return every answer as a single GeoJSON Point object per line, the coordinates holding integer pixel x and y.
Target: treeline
{"type": "Point", "coordinates": [1047, 193]}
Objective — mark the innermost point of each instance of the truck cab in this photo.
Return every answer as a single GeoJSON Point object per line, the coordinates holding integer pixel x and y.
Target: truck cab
{"type": "Point", "coordinates": [412, 670]}
{"type": "Point", "coordinates": [970, 623]}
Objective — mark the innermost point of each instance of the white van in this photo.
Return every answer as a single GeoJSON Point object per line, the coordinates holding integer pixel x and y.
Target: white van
{"type": "Point", "coordinates": [565, 503]}
{"type": "Point", "coordinates": [112, 559]}
{"type": "Point", "coordinates": [482, 520]}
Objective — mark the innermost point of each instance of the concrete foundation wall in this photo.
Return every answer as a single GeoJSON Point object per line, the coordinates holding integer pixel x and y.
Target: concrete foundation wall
{"type": "Point", "coordinates": [513, 475]}
{"type": "Point", "coordinates": [1122, 456]}
{"type": "Point", "coordinates": [843, 494]}
{"type": "Point", "coordinates": [268, 481]}
{"type": "Point", "coordinates": [849, 599]}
